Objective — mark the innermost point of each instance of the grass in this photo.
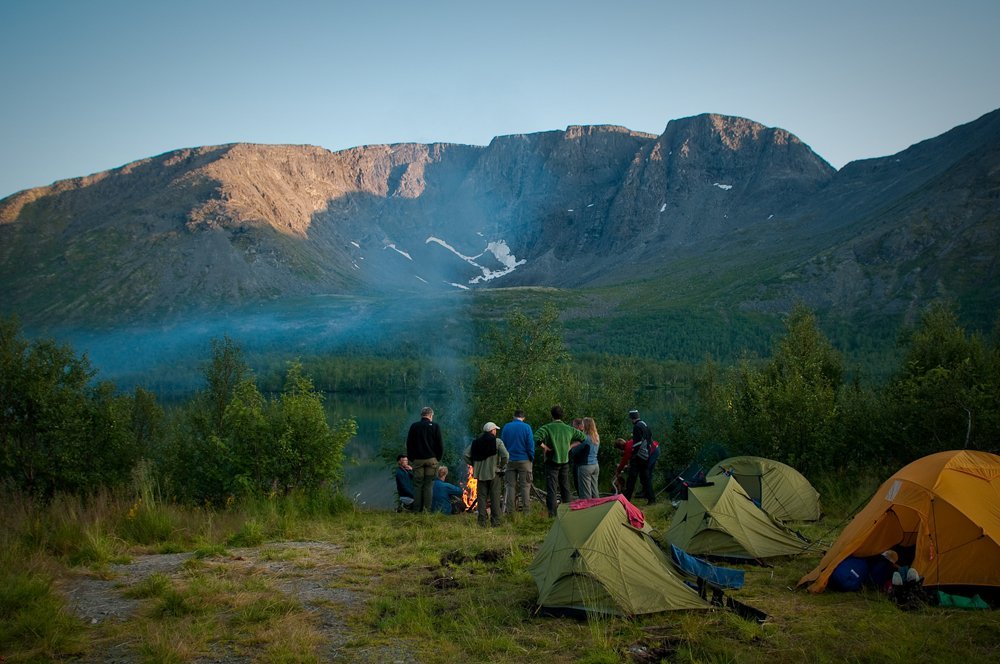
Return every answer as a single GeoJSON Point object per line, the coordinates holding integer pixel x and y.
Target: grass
{"type": "Point", "coordinates": [311, 585]}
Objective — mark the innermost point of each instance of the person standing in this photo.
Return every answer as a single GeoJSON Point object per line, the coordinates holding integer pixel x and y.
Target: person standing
{"type": "Point", "coordinates": [556, 438]}
{"type": "Point", "coordinates": [520, 443]}
{"type": "Point", "coordinates": [638, 465]}
{"type": "Point", "coordinates": [404, 482]}
{"type": "Point", "coordinates": [626, 447]}
{"type": "Point", "coordinates": [425, 448]}
{"type": "Point", "coordinates": [589, 471]}
{"type": "Point", "coordinates": [488, 457]}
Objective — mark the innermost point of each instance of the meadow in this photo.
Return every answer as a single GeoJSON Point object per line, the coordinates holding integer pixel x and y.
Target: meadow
{"type": "Point", "coordinates": [129, 578]}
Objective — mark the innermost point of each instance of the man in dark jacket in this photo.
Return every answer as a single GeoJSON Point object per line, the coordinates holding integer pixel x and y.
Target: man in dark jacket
{"type": "Point", "coordinates": [424, 448]}
{"type": "Point", "coordinates": [638, 466]}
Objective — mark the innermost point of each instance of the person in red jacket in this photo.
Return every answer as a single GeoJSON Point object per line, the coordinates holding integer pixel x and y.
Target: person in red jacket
{"type": "Point", "coordinates": [626, 447]}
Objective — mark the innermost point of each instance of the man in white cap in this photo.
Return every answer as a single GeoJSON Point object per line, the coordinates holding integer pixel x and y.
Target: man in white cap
{"type": "Point", "coordinates": [488, 458]}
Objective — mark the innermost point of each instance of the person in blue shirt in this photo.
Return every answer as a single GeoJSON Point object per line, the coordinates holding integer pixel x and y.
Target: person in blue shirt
{"type": "Point", "coordinates": [520, 442]}
{"type": "Point", "coordinates": [444, 493]}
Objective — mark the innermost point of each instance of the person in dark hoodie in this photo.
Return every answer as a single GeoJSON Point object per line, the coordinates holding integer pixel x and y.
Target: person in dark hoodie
{"type": "Point", "coordinates": [488, 458]}
{"type": "Point", "coordinates": [424, 447]}
{"type": "Point", "coordinates": [638, 466]}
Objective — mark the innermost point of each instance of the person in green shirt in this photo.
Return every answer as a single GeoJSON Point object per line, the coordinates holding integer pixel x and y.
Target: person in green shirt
{"type": "Point", "coordinates": [556, 439]}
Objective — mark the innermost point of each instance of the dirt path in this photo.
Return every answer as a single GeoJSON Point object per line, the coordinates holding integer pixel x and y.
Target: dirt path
{"type": "Point", "coordinates": [302, 571]}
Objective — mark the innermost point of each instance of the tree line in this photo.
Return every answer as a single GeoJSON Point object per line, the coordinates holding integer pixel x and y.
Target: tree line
{"type": "Point", "coordinates": [800, 404]}
{"type": "Point", "coordinates": [800, 407]}
{"type": "Point", "coordinates": [62, 429]}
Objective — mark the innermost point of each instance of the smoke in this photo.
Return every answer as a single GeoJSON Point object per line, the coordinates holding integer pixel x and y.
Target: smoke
{"type": "Point", "coordinates": [170, 354]}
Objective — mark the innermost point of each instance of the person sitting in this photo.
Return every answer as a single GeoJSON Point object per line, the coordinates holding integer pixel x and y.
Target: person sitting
{"type": "Point", "coordinates": [907, 589]}
{"type": "Point", "coordinates": [404, 483]}
{"type": "Point", "coordinates": [446, 496]}
{"type": "Point", "coordinates": [880, 570]}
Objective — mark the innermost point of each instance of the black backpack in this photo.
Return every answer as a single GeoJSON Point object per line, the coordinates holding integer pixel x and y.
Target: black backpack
{"type": "Point", "coordinates": [642, 448]}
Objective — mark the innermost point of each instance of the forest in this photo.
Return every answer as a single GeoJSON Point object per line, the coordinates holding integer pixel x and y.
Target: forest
{"type": "Point", "coordinates": [244, 433]}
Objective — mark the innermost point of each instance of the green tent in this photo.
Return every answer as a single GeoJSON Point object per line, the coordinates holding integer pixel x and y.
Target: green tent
{"type": "Point", "coordinates": [594, 560]}
{"type": "Point", "coordinates": [778, 488]}
{"type": "Point", "coordinates": [720, 519]}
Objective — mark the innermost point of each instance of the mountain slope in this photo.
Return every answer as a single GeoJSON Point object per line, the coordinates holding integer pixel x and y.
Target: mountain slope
{"type": "Point", "coordinates": [895, 232]}
{"type": "Point", "coordinates": [716, 210]}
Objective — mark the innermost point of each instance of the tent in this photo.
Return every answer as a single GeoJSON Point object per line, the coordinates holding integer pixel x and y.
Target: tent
{"type": "Point", "coordinates": [594, 560]}
{"type": "Point", "coordinates": [946, 506]}
{"type": "Point", "coordinates": [778, 488]}
{"type": "Point", "coordinates": [720, 519]}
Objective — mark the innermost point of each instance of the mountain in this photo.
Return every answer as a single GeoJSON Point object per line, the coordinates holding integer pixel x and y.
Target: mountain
{"type": "Point", "coordinates": [715, 209]}
{"type": "Point", "coordinates": [897, 231]}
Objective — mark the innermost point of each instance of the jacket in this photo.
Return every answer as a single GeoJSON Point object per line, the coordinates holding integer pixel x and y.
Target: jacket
{"type": "Point", "coordinates": [423, 441]}
{"type": "Point", "coordinates": [488, 468]}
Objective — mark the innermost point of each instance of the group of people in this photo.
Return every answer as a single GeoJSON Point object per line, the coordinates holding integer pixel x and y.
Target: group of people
{"type": "Point", "coordinates": [502, 461]}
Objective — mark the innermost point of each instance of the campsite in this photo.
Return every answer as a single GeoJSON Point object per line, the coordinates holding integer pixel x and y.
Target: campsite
{"type": "Point", "coordinates": [221, 570]}
{"type": "Point", "coordinates": [279, 582]}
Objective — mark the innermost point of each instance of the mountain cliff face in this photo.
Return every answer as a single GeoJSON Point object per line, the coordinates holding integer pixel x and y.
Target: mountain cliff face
{"type": "Point", "coordinates": [891, 233]}
{"type": "Point", "coordinates": [216, 227]}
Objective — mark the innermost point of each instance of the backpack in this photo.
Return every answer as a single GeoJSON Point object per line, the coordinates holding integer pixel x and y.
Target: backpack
{"type": "Point", "coordinates": [642, 448]}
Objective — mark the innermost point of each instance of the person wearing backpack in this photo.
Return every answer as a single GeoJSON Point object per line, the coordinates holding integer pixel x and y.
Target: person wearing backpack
{"type": "Point", "coordinates": [488, 458]}
{"type": "Point", "coordinates": [638, 465]}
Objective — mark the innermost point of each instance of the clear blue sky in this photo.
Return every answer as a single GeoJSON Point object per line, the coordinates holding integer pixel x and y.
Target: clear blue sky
{"type": "Point", "coordinates": [88, 86]}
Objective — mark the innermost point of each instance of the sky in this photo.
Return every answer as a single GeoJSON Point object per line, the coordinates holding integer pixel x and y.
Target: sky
{"type": "Point", "coordinates": [89, 85]}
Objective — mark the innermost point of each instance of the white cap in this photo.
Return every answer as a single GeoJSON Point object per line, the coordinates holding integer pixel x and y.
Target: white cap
{"type": "Point", "coordinates": [490, 426]}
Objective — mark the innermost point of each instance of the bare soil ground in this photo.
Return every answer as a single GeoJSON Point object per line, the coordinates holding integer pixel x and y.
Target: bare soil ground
{"type": "Point", "coordinates": [300, 570]}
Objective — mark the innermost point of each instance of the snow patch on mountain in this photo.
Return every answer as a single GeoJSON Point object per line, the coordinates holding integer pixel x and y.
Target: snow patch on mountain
{"type": "Point", "coordinates": [499, 249]}
{"type": "Point", "coordinates": [399, 251]}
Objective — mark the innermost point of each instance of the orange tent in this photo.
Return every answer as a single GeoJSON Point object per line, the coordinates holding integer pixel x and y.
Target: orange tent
{"type": "Point", "coordinates": [947, 505]}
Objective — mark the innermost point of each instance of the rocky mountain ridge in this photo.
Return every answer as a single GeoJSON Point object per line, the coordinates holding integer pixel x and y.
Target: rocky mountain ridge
{"type": "Point", "coordinates": [592, 206]}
